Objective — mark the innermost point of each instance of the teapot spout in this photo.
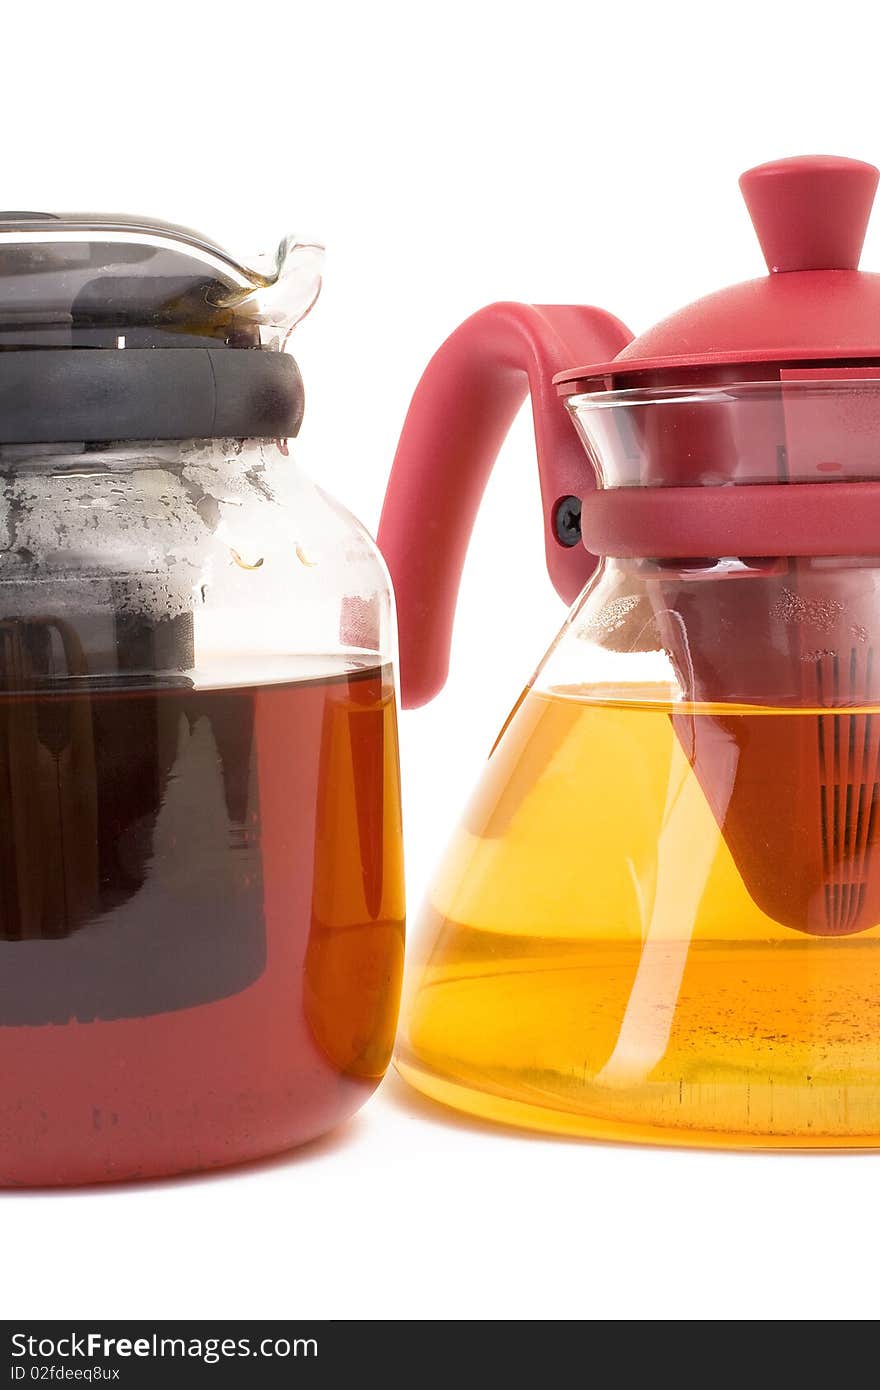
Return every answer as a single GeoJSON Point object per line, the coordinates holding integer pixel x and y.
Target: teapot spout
{"type": "Point", "coordinates": [277, 290]}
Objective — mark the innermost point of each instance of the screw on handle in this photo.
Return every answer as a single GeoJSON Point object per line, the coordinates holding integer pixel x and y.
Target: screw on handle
{"type": "Point", "coordinates": [811, 213]}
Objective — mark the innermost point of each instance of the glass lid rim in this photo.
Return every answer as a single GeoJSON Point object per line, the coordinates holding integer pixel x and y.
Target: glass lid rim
{"type": "Point", "coordinates": [727, 392]}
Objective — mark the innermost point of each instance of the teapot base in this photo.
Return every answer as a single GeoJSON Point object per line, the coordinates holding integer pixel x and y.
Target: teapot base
{"type": "Point", "coordinates": [769, 1048]}
{"type": "Point", "coordinates": [238, 1137]}
{"type": "Point", "coordinates": [518, 1114]}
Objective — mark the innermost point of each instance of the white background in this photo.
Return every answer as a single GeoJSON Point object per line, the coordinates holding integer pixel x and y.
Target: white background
{"type": "Point", "coordinates": [448, 154]}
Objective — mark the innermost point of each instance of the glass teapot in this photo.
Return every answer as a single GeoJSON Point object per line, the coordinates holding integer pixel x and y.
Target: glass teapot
{"type": "Point", "coordinates": [201, 902]}
{"type": "Point", "coordinates": [660, 917]}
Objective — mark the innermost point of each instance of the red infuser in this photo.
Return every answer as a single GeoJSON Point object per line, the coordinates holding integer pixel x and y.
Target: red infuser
{"type": "Point", "coordinates": [702, 738]}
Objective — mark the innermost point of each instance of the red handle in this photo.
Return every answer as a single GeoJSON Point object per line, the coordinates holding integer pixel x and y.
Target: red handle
{"type": "Point", "coordinates": [460, 414]}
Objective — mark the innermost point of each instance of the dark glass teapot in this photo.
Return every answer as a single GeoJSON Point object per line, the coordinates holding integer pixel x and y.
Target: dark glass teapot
{"type": "Point", "coordinates": [201, 905]}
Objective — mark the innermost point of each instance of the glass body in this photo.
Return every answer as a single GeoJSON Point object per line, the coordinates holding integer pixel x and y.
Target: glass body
{"type": "Point", "coordinates": [201, 932]}
{"type": "Point", "coordinates": [660, 917]}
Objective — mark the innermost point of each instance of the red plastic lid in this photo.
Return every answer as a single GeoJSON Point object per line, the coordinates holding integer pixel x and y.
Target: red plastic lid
{"type": "Point", "coordinates": [810, 214]}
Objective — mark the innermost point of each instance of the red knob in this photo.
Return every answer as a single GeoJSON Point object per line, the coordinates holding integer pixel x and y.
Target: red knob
{"type": "Point", "coordinates": [811, 213]}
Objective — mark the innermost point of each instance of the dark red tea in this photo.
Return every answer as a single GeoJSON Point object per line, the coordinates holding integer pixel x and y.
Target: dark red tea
{"type": "Point", "coordinates": [201, 920]}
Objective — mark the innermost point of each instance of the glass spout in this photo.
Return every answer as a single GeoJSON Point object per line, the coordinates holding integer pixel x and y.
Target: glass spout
{"type": "Point", "coordinates": [277, 290]}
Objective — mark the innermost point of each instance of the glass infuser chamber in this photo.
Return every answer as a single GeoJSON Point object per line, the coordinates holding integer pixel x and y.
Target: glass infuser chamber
{"type": "Point", "coordinates": [660, 916]}
{"type": "Point", "coordinates": [201, 901]}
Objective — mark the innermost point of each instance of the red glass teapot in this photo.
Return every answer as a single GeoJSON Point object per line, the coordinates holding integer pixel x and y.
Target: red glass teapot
{"type": "Point", "coordinates": [660, 916]}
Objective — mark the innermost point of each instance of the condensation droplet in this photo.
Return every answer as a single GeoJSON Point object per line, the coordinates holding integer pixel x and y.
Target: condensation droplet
{"type": "Point", "coordinates": [243, 564]}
